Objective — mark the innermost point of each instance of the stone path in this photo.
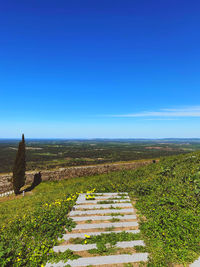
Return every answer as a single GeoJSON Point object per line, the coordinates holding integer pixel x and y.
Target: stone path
{"type": "Point", "coordinates": [94, 218]}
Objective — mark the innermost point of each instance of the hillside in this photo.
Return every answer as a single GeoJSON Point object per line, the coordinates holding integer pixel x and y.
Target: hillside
{"type": "Point", "coordinates": [167, 194]}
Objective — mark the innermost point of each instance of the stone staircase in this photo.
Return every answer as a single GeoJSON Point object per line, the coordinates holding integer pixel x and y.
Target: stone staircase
{"type": "Point", "coordinates": [93, 219]}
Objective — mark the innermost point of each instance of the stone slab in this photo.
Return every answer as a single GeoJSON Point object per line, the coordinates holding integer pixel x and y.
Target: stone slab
{"type": "Point", "coordinates": [110, 197]}
{"type": "Point", "coordinates": [102, 217]}
{"type": "Point", "coordinates": [80, 247]}
{"type": "Point", "coordinates": [99, 206]}
{"type": "Point", "coordinates": [82, 235]}
{"type": "Point", "coordinates": [106, 211]}
{"type": "Point", "coordinates": [81, 197]}
{"type": "Point", "coordinates": [104, 225]}
{"type": "Point", "coordinates": [74, 247]}
{"type": "Point", "coordinates": [100, 260]}
{"type": "Point", "coordinates": [95, 201]}
{"type": "Point", "coordinates": [110, 194]}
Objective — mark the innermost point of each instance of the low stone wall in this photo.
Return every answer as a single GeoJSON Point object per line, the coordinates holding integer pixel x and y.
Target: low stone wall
{"type": "Point", "coordinates": [66, 173]}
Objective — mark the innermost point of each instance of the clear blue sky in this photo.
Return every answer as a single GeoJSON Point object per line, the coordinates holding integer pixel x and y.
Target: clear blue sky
{"type": "Point", "coordinates": [100, 68]}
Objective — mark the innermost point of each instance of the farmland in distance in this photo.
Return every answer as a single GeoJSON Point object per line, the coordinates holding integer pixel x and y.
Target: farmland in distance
{"type": "Point", "coordinates": [51, 154]}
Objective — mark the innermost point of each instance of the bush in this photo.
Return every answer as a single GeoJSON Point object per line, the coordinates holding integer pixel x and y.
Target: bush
{"type": "Point", "coordinates": [28, 240]}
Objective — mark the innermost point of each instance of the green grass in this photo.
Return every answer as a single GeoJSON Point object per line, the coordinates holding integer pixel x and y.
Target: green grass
{"type": "Point", "coordinates": [116, 214]}
{"type": "Point", "coordinates": [88, 221]}
{"type": "Point", "coordinates": [114, 219]}
{"type": "Point", "coordinates": [109, 229]}
{"type": "Point", "coordinates": [105, 202]}
{"type": "Point", "coordinates": [118, 198]}
{"type": "Point", "coordinates": [27, 240]}
{"type": "Point", "coordinates": [114, 208]}
{"type": "Point", "coordinates": [168, 200]}
{"type": "Point", "coordinates": [140, 249]}
{"type": "Point", "coordinates": [112, 238]}
{"type": "Point", "coordinates": [122, 195]}
{"type": "Point", "coordinates": [103, 250]}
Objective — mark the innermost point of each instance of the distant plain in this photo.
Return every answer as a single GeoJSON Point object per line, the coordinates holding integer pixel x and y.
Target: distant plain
{"type": "Point", "coordinates": [50, 154]}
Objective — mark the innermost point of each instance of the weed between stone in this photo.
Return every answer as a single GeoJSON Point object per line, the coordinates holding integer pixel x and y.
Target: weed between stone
{"type": "Point", "coordinates": [63, 256]}
{"type": "Point", "coordinates": [115, 208]}
{"type": "Point", "coordinates": [105, 202]}
{"type": "Point", "coordinates": [140, 249]}
{"type": "Point", "coordinates": [109, 229]}
{"type": "Point", "coordinates": [114, 219]}
{"type": "Point", "coordinates": [88, 221]}
{"type": "Point", "coordinates": [116, 214]}
{"type": "Point", "coordinates": [107, 238]}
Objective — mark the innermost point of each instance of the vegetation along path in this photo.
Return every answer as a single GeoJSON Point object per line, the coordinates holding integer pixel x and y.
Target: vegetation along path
{"type": "Point", "coordinates": [106, 232]}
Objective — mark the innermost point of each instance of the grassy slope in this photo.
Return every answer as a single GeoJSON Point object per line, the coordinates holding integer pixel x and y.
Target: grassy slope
{"type": "Point", "coordinates": [168, 197]}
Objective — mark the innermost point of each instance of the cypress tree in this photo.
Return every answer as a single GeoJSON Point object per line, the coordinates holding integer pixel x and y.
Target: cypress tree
{"type": "Point", "coordinates": [19, 168]}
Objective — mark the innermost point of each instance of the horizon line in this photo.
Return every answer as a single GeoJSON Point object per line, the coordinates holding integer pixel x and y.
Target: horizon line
{"type": "Point", "coordinates": [97, 138]}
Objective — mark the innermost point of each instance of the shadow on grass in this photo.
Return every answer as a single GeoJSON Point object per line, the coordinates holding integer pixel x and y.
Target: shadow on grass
{"type": "Point", "coordinates": [36, 181]}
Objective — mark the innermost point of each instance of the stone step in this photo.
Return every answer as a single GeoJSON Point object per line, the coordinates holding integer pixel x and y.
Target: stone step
{"type": "Point", "coordinates": [80, 247]}
{"type": "Point", "coordinates": [99, 206]}
{"type": "Point", "coordinates": [100, 218]}
{"type": "Point", "coordinates": [82, 197]}
{"type": "Point", "coordinates": [110, 194]}
{"type": "Point", "coordinates": [100, 260]}
{"type": "Point", "coordinates": [110, 197]}
{"type": "Point", "coordinates": [104, 225]}
{"type": "Point", "coordinates": [106, 211]}
{"type": "Point", "coordinates": [95, 201]}
{"type": "Point", "coordinates": [74, 247]}
{"type": "Point", "coordinates": [82, 235]}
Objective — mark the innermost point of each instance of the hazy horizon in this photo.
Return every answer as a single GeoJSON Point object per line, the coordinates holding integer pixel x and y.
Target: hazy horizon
{"type": "Point", "coordinates": [112, 138]}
